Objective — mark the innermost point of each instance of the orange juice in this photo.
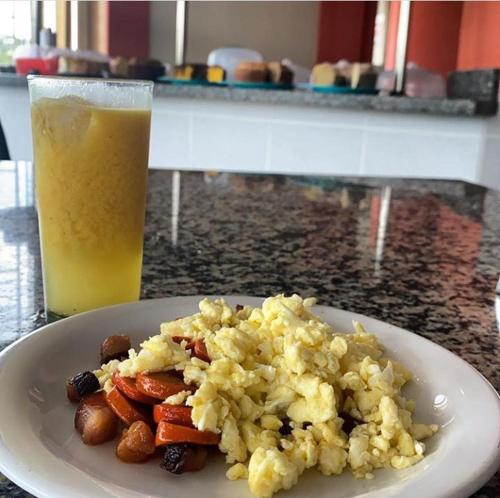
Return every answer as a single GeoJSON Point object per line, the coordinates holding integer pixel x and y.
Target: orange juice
{"type": "Point", "coordinates": [91, 168]}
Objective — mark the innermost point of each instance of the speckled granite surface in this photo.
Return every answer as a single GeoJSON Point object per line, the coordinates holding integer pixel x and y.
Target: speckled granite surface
{"type": "Point", "coordinates": [447, 107]}
{"type": "Point", "coordinates": [424, 255]}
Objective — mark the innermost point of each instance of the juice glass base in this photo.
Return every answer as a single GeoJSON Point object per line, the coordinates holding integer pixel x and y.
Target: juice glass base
{"type": "Point", "coordinates": [51, 317]}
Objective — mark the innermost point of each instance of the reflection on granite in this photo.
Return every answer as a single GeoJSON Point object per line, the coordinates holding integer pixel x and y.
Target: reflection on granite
{"type": "Point", "coordinates": [423, 255]}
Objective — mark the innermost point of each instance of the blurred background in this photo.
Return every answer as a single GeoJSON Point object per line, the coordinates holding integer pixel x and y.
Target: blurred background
{"type": "Point", "coordinates": [378, 88]}
{"type": "Point", "coordinates": [443, 36]}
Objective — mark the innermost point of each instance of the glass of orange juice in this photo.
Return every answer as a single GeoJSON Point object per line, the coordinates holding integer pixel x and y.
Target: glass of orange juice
{"type": "Point", "coordinates": [90, 145]}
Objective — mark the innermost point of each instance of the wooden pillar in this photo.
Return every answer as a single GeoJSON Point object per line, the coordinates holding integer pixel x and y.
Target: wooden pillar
{"type": "Point", "coordinates": [99, 26]}
{"type": "Point", "coordinates": [63, 26]}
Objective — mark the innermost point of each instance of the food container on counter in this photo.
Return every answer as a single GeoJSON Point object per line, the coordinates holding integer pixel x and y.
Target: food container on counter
{"type": "Point", "coordinates": [31, 58]}
{"type": "Point", "coordinates": [38, 65]}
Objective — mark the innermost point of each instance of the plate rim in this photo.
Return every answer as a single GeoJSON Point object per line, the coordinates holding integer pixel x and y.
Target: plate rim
{"type": "Point", "coordinates": [470, 485]}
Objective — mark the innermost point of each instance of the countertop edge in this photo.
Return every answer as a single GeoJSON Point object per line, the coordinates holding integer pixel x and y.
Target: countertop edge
{"type": "Point", "coordinates": [298, 97]}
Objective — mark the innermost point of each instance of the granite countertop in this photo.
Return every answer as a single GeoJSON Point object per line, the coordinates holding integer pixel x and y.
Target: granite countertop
{"type": "Point", "coordinates": [438, 106]}
{"type": "Point", "coordinates": [423, 255]}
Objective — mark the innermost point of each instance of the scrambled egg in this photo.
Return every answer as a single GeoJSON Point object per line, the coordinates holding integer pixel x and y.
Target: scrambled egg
{"type": "Point", "coordinates": [281, 364]}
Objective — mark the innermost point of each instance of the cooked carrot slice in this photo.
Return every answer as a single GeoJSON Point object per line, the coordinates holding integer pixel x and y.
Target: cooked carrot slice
{"type": "Point", "coordinates": [174, 414]}
{"type": "Point", "coordinates": [179, 338]}
{"type": "Point", "coordinates": [127, 386]}
{"type": "Point", "coordinates": [160, 385]}
{"type": "Point", "coordinates": [200, 350]}
{"type": "Point", "coordinates": [126, 409]}
{"type": "Point", "coordinates": [167, 433]}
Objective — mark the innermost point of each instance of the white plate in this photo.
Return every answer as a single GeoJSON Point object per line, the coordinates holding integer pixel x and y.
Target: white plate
{"type": "Point", "coordinates": [40, 450]}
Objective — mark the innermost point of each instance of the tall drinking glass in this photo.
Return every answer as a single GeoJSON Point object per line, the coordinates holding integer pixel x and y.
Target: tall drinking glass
{"type": "Point", "coordinates": [90, 144]}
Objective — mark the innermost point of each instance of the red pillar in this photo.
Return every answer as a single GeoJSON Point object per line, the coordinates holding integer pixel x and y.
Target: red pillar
{"type": "Point", "coordinates": [479, 36]}
{"type": "Point", "coordinates": [433, 35]}
{"type": "Point", "coordinates": [128, 29]}
{"type": "Point", "coordinates": [392, 35]}
{"type": "Point", "coordinates": [346, 31]}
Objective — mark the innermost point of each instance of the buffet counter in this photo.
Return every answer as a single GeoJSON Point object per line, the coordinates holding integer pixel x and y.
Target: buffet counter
{"type": "Point", "coordinates": [300, 131]}
{"type": "Point", "coordinates": [443, 107]}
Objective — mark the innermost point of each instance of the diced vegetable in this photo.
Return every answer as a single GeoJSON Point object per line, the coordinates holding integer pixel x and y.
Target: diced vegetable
{"type": "Point", "coordinates": [71, 392]}
{"type": "Point", "coordinates": [200, 350]}
{"type": "Point", "coordinates": [167, 433]}
{"type": "Point", "coordinates": [174, 414]}
{"type": "Point", "coordinates": [137, 443]}
{"type": "Point", "coordinates": [94, 420]}
{"type": "Point", "coordinates": [115, 347]}
{"type": "Point", "coordinates": [183, 457]}
{"type": "Point", "coordinates": [128, 387]}
{"type": "Point", "coordinates": [126, 409]}
{"type": "Point", "coordinates": [80, 385]}
{"type": "Point", "coordinates": [160, 385]}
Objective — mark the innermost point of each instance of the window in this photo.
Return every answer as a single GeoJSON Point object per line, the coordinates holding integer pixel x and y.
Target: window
{"type": "Point", "coordinates": [49, 15]}
{"type": "Point", "coordinates": [15, 27]}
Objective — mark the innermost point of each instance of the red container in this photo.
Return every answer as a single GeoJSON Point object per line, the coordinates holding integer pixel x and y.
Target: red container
{"type": "Point", "coordinates": [25, 65]}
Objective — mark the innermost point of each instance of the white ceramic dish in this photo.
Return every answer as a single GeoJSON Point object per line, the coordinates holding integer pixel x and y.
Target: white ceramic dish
{"type": "Point", "coordinates": [40, 450]}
